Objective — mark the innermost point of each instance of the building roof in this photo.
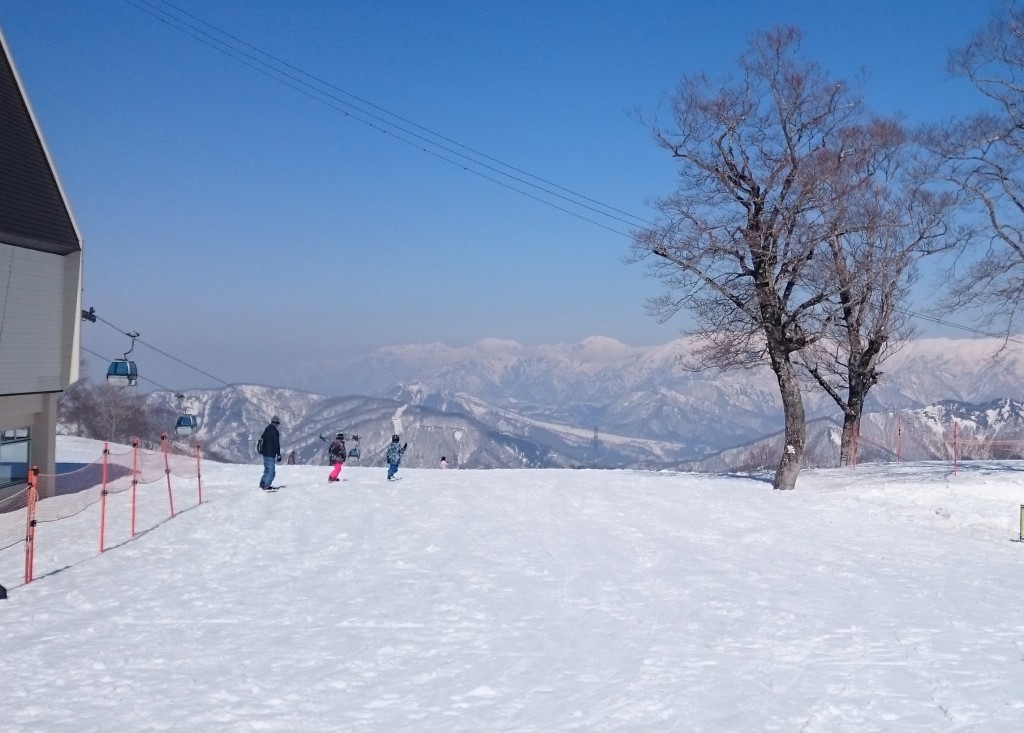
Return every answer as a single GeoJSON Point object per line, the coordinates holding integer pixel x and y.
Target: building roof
{"type": "Point", "coordinates": [33, 210]}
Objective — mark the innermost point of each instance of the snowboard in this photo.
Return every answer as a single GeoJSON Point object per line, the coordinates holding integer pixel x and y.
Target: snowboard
{"type": "Point", "coordinates": [273, 488]}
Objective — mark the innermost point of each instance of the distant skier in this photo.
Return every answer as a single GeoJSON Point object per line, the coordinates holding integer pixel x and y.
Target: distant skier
{"type": "Point", "coordinates": [337, 456]}
{"type": "Point", "coordinates": [291, 458]}
{"type": "Point", "coordinates": [269, 446]}
{"type": "Point", "coordinates": [444, 462]}
{"type": "Point", "coordinates": [393, 456]}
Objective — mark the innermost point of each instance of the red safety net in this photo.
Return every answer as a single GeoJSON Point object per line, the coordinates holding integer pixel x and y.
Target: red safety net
{"type": "Point", "coordinates": [123, 492]}
{"type": "Point", "coordinates": [13, 518]}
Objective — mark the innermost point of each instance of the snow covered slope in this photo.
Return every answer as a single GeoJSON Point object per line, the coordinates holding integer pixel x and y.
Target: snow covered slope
{"type": "Point", "coordinates": [878, 599]}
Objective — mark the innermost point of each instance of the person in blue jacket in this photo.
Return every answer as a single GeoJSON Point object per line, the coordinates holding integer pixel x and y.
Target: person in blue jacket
{"type": "Point", "coordinates": [393, 456]}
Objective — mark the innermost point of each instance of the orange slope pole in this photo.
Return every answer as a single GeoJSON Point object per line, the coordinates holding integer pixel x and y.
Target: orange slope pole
{"type": "Point", "coordinates": [135, 477]}
{"type": "Point", "coordinates": [30, 524]}
{"type": "Point", "coordinates": [167, 470]}
{"type": "Point", "coordinates": [199, 472]}
{"type": "Point", "coordinates": [103, 498]}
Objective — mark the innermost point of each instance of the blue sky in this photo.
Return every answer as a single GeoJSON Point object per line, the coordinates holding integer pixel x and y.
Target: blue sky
{"type": "Point", "coordinates": [250, 230]}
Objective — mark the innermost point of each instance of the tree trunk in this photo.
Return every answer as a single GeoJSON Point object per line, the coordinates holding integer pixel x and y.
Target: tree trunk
{"type": "Point", "coordinates": [852, 413]}
{"type": "Point", "coordinates": [796, 428]}
{"type": "Point", "coordinates": [851, 422]}
{"type": "Point", "coordinates": [846, 441]}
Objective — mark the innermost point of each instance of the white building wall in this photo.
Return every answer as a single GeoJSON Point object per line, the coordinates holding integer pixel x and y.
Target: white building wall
{"type": "Point", "coordinates": [36, 340]}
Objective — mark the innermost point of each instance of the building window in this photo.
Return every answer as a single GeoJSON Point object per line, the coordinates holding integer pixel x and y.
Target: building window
{"type": "Point", "coordinates": [14, 448]}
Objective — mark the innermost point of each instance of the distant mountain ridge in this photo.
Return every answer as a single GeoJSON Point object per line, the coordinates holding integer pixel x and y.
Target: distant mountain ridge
{"type": "Point", "coordinates": [643, 392]}
{"type": "Point", "coordinates": [595, 403]}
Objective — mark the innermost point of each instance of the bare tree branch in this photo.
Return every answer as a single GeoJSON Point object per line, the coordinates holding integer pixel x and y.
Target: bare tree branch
{"type": "Point", "coordinates": [983, 156]}
{"type": "Point", "coordinates": [737, 243]}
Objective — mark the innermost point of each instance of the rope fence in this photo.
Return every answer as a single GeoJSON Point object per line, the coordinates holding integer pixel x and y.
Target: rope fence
{"type": "Point", "coordinates": [124, 490]}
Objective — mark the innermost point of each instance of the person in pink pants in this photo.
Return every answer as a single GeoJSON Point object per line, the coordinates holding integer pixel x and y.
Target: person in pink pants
{"type": "Point", "coordinates": [337, 455]}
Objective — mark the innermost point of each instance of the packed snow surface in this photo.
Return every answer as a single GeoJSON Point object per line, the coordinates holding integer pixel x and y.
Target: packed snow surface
{"type": "Point", "coordinates": [881, 598]}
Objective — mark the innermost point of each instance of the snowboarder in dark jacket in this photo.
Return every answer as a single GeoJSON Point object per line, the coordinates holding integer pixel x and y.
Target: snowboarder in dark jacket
{"type": "Point", "coordinates": [337, 455]}
{"type": "Point", "coordinates": [269, 446]}
{"type": "Point", "coordinates": [394, 456]}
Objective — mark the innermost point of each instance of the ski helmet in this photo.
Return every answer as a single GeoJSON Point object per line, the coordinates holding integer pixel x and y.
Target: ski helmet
{"type": "Point", "coordinates": [394, 438]}
{"type": "Point", "coordinates": [340, 435]}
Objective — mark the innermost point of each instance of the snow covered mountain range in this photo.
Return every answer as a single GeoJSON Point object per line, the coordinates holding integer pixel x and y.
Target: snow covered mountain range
{"type": "Point", "coordinates": [603, 403]}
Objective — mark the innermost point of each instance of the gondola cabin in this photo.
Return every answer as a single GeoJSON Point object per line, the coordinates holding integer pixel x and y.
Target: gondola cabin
{"type": "Point", "coordinates": [122, 373]}
{"type": "Point", "coordinates": [186, 425]}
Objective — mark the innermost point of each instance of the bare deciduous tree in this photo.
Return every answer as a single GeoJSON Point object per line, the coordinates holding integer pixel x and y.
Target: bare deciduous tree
{"type": "Point", "coordinates": [984, 156]}
{"type": "Point", "coordinates": [116, 414]}
{"type": "Point", "coordinates": [735, 244]}
{"type": "Point", "coordinates": [881, 219]}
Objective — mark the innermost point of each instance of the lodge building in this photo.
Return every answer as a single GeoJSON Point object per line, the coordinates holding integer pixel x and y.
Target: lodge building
{"type": "Point", "coordinates": [40, 288]}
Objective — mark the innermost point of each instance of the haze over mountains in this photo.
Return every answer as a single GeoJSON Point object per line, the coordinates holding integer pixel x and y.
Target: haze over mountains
{"type": "Point", "coordinates": [602, 403]}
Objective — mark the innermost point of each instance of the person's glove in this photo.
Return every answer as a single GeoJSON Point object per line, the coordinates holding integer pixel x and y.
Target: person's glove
{"type": "Point", "coordinates": [278, 457]}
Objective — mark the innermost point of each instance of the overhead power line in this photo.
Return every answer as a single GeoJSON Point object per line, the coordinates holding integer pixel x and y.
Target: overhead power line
{"type": "Point", "coordinates": [408, 132]}
{"type": "Point", "coordinates": [156, 384]}
{"type": "Point", "coordinates": [405, 120]}
{"type": "Point", "coordinates": [383, 120]}
{"type": "Point", "coordinates": [93, 316]}
{"type": "Point", "coordinates": [376, 117]}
